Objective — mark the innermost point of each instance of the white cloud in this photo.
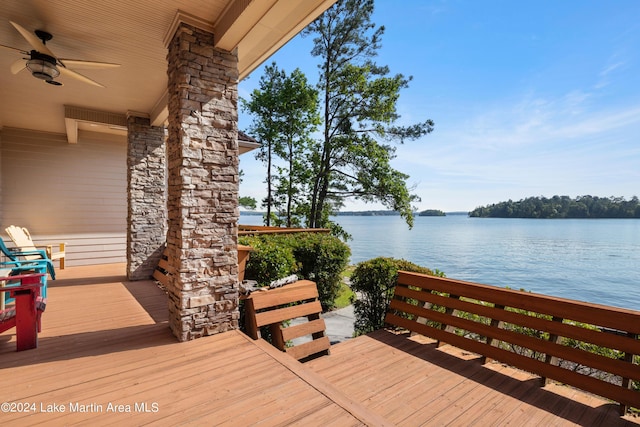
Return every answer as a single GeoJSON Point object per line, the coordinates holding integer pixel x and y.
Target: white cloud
{"type": "Point", "coordinates": [605, 74]}
{"type": "Point", "coordinates": [535, 146]}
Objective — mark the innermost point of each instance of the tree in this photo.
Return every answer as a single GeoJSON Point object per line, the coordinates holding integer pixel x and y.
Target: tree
{"type": "Point", "coordinates": [359, 108]}
{"type": "Point", "coordinates": [248, 202]}
{"type": "Point", "coordinates": [285, 110]}
{"type": "Point", "coordinates": [299, 103]}
{"type": "Point", "coordinates": [562, 207]}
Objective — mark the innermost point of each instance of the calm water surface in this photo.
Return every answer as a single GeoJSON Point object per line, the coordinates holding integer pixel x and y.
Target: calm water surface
{"type": "Point", "coordinates": [588, 260]}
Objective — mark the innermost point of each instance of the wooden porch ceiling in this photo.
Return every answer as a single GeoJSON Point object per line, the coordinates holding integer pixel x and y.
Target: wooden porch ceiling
{"type": "Point", "coordinates": [134, 35]}
{"type": "Point", "coordinates": [106, 340]}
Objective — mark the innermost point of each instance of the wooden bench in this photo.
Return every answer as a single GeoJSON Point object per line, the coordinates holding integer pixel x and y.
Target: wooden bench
{"type": "Point", "coordinates": [25, 313]}
{"type": "Point", "coordinates": [544, 335]}
{"type": "Point", "coordinates": [271, 307]}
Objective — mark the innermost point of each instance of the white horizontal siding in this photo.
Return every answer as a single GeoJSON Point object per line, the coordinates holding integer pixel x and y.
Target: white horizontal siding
{"type": "Point", "coordinates": [76, 193]}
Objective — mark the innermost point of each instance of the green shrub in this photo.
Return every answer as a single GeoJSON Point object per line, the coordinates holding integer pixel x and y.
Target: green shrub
{"type": "Point", "coordinates": [374, 281]}
{"type": "Point", "coordinates": [269, 260]}
{"type": "Point", "coordinates": [313, 256]}
{"type": "Point", "coordinates": [321, 257]}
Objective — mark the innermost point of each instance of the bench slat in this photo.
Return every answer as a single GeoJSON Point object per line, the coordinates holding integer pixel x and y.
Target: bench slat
{"type": "Point", "coordinates": [161, 277]}
{"type": "Point", "coordinates": [299, 291]}
{"type": "Point", "coordinates": [281, 314]}
{"type": "Point", "coordinates": [307, 328]}
{"type": "Point", "coordinates": [308, 348]}
{"type": "Point", "coordinates": [268, 309]}
{"type": "Point", "coordinates": [163, 263]}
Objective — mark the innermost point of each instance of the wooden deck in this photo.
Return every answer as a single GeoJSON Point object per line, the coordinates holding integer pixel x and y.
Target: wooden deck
{"type": "Point", "coordinates": [106, 356]}
{"type": "Point", "coordinates": [106, 341]}
{"type": "Point", "coordinates": [410, 382]}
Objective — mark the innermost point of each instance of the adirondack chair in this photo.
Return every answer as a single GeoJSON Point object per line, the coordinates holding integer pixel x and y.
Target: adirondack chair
{"type": "Point", "coordinates": [25, 260]}
{"type": "Point", "coordinates": [25, 314]}
{"type": "Point", "coordinates": [22, 239]}
{"type": "Point", "coordinates": [15, 266]}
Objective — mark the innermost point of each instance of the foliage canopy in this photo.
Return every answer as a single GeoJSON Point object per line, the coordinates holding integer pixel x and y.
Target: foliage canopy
{"type": "Point", "coordinates": [562, 207]}
{"type": "Point", "coordinates": [314, 256]}
{"type": "Point", "coordinates": [374, 281]}
{"type": "Point", "coordinates": [359, 97]}
{"type": "Point", "coordinates": [353, 107]}
{"type": "Point", "coordinates": [285, 110]}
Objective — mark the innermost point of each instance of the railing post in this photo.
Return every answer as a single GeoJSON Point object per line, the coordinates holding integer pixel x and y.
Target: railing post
{"type": "Point", "coordinates": [250, 319]}
{"type": "Point", "coordinates": [548, 359]}
{"type": "Point", "coordinates": [426, 305]}
{"type": "Point", "coordinates": [276, 336]}
{"type": "Point", "coordinates": [495, 323]}
{"type": "Point", "coordinates": [444, 327]}
{"type": "Point", "coordinates": [626, 382]}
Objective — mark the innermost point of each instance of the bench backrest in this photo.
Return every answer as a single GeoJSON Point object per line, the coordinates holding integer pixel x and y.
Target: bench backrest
{"type": "Point", "coordinates": [551, 337]}
{"type": "Point", "coordinates": [271, 307]}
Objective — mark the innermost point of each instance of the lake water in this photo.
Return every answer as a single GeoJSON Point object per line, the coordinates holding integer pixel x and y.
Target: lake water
{"type": "Point", "coordinates": [589, 260]}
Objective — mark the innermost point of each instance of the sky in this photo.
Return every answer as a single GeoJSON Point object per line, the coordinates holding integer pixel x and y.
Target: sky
{"type": "Point", "coordinates": [529, 98]}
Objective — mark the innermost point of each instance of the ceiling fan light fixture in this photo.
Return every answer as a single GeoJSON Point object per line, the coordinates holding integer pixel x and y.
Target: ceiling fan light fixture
{"type": "Point", "coordinates": [43, 67]}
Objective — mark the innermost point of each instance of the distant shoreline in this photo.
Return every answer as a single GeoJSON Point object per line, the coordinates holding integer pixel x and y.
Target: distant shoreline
{"type": "Point", "coordinates": [362, 213]}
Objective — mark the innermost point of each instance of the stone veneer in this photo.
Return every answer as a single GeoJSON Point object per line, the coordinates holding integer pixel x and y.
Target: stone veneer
{"type": "Point", "coordinates": [147, 209]}
{"type": "Point", "coordinates": [203, 186]}
{"type": "Point", "coordinates": [1, 210]}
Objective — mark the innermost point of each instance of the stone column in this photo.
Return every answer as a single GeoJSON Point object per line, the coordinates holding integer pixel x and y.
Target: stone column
{"type": "Point", "coordinates": [147, 200]}
{"type": "Point", "coordinates": [1, 201]}
{"type": "Point", "coordinates": [203, 186]}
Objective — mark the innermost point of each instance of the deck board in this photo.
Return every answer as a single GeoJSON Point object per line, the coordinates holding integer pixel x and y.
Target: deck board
{"type": "Point", "coordinates": [105, 339]}
{"type": "Point", "coordinates": [420, 384]}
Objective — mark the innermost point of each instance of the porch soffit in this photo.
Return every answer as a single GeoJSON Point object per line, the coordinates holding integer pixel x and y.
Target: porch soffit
{"type": "Point", "coordinates": [131, 34]}
{"type": "Point", "coordinates": [257, 29]}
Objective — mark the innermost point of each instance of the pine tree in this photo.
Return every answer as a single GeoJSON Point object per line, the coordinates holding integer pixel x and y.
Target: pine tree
{"type": "Point", "coordinates": [359, 108]}
{"type": "Point", "coordinates": [285, 110]}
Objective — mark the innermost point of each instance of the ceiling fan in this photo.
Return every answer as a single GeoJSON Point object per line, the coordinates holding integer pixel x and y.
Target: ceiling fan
{"type": "Point", "coordinates": [44, 65]}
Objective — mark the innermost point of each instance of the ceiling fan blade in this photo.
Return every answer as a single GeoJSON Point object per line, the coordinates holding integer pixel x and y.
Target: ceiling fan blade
{"type": "Point", "coordinates": [18, 66]}
{"type": "Point", "coordinates": [87, 65]}
{"type": "Point", "coordinates": [24, 52]}
{"type": "Point", "coordinates": [33, 40]}
{"type": "Point", "coordinates": [78, 76]}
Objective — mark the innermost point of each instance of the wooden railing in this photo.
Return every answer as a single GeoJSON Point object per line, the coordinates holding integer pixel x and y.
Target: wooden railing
{"type": "Point", "coordinates": [588, 346]}
{"type": "Point", "coordinates": [252, 230]}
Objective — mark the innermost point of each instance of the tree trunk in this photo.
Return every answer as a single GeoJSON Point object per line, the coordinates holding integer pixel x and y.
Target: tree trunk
{"type": "Point", "coordinates": [290, 186]}
{"type": "Point", "coordinates": [268, 219]}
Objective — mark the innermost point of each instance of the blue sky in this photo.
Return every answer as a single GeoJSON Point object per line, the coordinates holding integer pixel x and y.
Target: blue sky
{"type": "Point", "coordinates": [529, 98]}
